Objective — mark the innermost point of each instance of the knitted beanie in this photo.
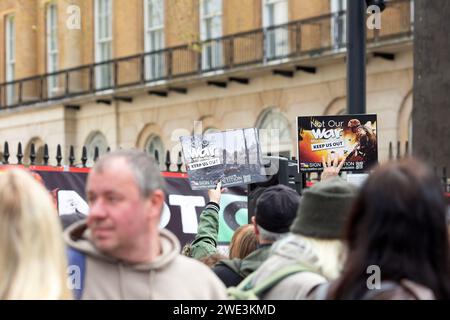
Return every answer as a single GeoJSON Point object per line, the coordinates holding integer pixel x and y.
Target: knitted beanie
{"type": "Point", "coordinates": [324, 209]}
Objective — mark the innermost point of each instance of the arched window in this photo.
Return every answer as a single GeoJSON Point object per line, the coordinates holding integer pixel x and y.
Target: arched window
{"type": "Point", "coordinates": [410, 133]}
{"type": "Point", "coordinates": [38, 149]}
{"type": "Point", "coordinates": [95, 139]}
{"type": "Point", "coordinates": [338, 106]}
{"type": "Point", "coordinates": [154, 143]}
{"type": "Point", "coordinates": [404, 122]}
{"type": "Point", "coordinates": [275, 133]}
{"type": "Point", "coordinates": [211, 130]}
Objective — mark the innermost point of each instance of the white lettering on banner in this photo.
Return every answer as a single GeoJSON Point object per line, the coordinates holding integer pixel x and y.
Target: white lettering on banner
{"type": "Point", "coordinates": [327, 145]}
{"type": "Point", "coordinates": [204, 164]}
{"type": "Point", "coordinates": [326, 134]}
{"type": "Point", "coordinates": [201, 153]}
{"type": "Point", "coordinates": [165, 216]}
{"type": "Point", "coordinates": [187, 206]}
{"type": "Point", "coordinates": [70, 202]}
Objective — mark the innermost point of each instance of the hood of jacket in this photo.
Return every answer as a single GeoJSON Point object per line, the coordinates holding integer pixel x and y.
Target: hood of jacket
{"type": "Point", "coordinates": [288, 251]}
{"type": "Point", "coordinates": [250, 263]}
{"type": "Point", "coordinates": [78, 236]}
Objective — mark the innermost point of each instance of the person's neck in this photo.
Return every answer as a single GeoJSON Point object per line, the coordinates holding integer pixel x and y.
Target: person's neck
{"type": "Point", "coordinates": [145, 251]}
{"type": "Point", "coordinates": [264, 242]}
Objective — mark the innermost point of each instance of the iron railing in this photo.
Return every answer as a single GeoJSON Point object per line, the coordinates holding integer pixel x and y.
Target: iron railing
{"type": "Point", "coordinates": [42, 157]}
{"type": "Point", "coordinates": [403, 150]}
{"type": "Point", "coordinates": [263, 46]}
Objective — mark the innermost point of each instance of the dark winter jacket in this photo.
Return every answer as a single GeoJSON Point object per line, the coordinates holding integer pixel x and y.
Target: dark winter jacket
{"type": "Point", "coordinates": [232, 272]}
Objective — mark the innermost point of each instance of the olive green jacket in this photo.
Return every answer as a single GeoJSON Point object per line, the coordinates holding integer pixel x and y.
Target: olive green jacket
{"type": "Point", "coordinates": [205, 242]}
{"type": "Point", "coordinates": [243, 267]}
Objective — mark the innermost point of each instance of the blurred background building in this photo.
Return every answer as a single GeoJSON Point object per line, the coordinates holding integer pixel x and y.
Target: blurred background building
{"type": "Point", "coordinates": [138, 73]}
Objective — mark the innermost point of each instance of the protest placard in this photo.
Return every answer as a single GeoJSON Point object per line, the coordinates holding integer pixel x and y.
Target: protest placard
{"type": "Point", "coordinates": [353, 137]}
{"type": "Point", "coordinates": [233, 157]}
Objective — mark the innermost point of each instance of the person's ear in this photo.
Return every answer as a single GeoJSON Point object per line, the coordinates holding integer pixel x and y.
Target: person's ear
{"type": "Point", "coordinates": [255, 226]}
{"type": "Point", "coordinates": [155, 202]}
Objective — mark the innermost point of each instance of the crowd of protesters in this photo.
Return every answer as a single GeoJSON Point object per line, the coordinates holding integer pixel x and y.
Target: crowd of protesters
{"type": "Point", "coordinates": [395, 224]}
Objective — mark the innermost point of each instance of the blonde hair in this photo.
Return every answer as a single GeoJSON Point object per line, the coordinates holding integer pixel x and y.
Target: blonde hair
{"type": "Point", "coordinates": [243, 242]}
{"type": "Point", "coordinates": [330, 254]}
{"type": "Point", "coordinates": [32, 258]}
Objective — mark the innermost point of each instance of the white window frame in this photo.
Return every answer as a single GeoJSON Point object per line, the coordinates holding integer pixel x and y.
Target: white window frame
{"type": "Point", "coordinates": [52, 47]}
{"type": "Point", "coordinates": [103, 29]}
{"type": "Point", "coordinates": [277, 40]}
{"type": "Point", "coordinates": [95, 139]}
{"type": "Point", "coordinates": [155, 142]}
{"type": "Point", "coordinates": [272, 119]}
{"type": "Point", "coordinates": [10, 46]}
{"type": "Point", "coordinates": [211, 130]}
{"type": "Point", "coordinates": [154, 63]}
{"type": "Point", "coordinates": [410, 133]}
{"type": "Point", "coordinates": [338, 23]}
{"type": "Point", "coordinates": [211, 28]}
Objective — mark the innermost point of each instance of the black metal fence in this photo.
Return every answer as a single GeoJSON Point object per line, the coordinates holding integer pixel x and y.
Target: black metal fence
{"type": "Point", "coordinates": [403, 150]}
{"type": "Point", "coordinates": [307, 37]}
{"type": "Point", "coordinates": [35, 158]}
{"type": "Point", "coordinates": [398, 151]}
{"type": "Point", "coordinates": [289, 173]}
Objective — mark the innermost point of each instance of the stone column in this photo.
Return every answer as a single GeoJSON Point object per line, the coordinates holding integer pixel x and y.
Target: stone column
{"type": "Point", "coordinates": [431, 102]}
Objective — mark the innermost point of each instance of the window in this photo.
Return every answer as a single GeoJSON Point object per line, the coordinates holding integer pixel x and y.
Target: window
{"type": "Point", "coordinates": [274, 133]}
{"type": "Point", "coordinates": [38, 149]}
{"type": "Point", "coordinates": [338, 23]}
{"type": "Point", "coordinates": [10, 47]}
{"type": "Point", "coordinates": [211, 28]}
{"type": "Point", "coordinates": [154, 38]}
{"type": "Point", "coordinates": [103, 43]}
{"type": "Point", "coordinates": [277, 41]}
{"type": "Point", "coordinates": [95, 139]}
{"type": "Point", "coordinates": [52, 48]}
{"type": "Point", "coordinates": [410, 133]}
{"type": "Point", "coordinates": [154, 143]}
{"type": "Point", "coordinates": [211, 130]}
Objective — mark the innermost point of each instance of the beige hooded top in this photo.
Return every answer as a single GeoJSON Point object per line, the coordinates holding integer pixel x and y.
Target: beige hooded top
{"type": "Point", "coordinates": [169, 276]}
{"type": "Point", "coordinates": [288, 251]}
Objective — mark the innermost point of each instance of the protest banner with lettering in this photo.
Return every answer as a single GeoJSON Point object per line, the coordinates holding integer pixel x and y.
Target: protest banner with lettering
{"type": "Point", "coordinates": [182, 206]}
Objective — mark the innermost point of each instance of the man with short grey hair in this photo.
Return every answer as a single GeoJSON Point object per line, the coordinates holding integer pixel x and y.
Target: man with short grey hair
{"type": "Point", "coordinates": [120, 251]}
